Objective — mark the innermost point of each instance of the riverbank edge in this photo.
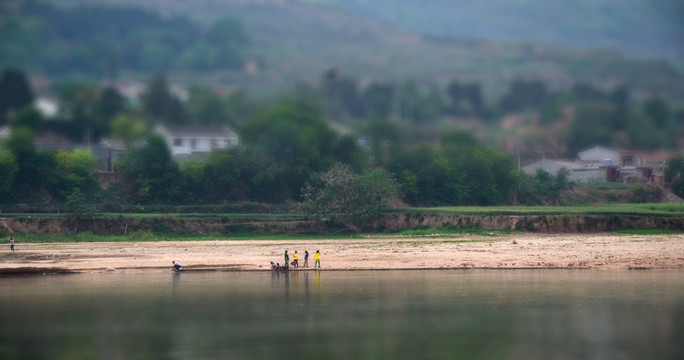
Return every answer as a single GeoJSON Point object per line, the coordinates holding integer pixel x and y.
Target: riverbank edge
{"type": "Point", "coordinates": [39, 271]}
{"type": "Point", "coordinates": [391, 223]}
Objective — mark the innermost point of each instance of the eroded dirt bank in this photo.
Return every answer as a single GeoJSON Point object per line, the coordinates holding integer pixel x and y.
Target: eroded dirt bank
{"type": "Point", "coordinates": [567, 224]}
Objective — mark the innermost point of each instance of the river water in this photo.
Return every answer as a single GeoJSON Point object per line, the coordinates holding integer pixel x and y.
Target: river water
{"type": "Point", "coordinates": [458, 314]}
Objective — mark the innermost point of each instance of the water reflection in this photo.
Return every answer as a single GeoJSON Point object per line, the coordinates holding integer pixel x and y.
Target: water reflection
{"type": "Point", "coordinates": [342, 315]}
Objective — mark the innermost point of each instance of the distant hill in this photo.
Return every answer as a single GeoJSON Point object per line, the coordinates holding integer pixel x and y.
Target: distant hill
{"type": "Point", "coordinates": [641, 28]}
{"type": "Point", "coordinates": [297, 40]}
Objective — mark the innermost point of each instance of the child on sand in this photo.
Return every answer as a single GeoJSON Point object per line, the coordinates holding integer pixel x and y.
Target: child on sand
{"type": "Point", "coordinates": [317, 259]}
{"type": "Point", "coordinates": [306, 258]}
{"type": "Point", "coordinates": [177, 266]}
{"type": "Point", "coordinates": [295, 258]}
{"type": "Point", "coordinates": [11, 244]}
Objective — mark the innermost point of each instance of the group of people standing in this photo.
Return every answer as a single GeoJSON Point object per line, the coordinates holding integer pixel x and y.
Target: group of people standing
{"type": "Point", "coordinates": [295, 259]}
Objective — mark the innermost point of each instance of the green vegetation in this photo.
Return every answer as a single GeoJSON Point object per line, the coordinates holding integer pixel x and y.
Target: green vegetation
{"type": "Point", "coordinates": [185, 216]}
{"type": "Point", "coordinates": [347, 196]}
{"type": "Point", "coordinates": [149, 237]}
{"type": "Point", "coordinates": [390, 132]}
{"type": "Point", "coordinates": [106, 41]}
{"type": "Point", "coordinates": [607, 186]}
{"type": "Point", "coordinates": [660, 210]}
{"type": "Point", "coordinates": [287, 146]}
{"type": "Point", "coordinates": [674, 174]}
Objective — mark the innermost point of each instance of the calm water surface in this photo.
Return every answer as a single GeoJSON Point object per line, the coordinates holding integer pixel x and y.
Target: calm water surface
{"type": "Point", "coordinates": [526, 314]}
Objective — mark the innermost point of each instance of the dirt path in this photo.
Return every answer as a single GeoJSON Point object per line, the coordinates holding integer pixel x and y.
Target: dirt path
{"type": "Point", "coordinates": [518, 251]}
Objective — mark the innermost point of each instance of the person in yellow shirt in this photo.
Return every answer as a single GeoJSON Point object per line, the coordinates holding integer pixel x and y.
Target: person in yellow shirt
{"type": "Point", "coordinates": [295, 259]}
{"type": "Point", "coordinates": [317, 259]}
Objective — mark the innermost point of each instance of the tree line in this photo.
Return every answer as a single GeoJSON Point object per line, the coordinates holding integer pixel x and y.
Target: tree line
{"type": "Point", "coordinates": [106, 41]}
{"type": "Point", "coordinates": [606, 116]}
{"type": "Point", "coordinates": [290, 149]}
{"type": "Point", "coordinates": [289, 146]}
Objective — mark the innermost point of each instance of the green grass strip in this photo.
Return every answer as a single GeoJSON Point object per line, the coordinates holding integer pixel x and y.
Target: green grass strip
{"type": "Point", "coordinates": [658, 210]}
{"type": "Point", "coordinates": [84, 237]}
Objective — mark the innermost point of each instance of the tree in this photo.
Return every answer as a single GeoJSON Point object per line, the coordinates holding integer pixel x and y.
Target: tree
{"type": "Point", "coordinates": [674, 175]}
{"type": "Point", "coordinates": [110, 103]}
{"type": "Point", "coordinates": [35, 168]}
{"type": "Point", "coordinates": [587, 92]}
{"type": "Point", "coordinates": [226, 38]}
{"type": "Point", "coordinates": [645, 194]}
{"type": "Point", "coordinates": [342, 95]}
{"type": "Point", "coordinates": [128, 128]}
{"type": "Point", "coordinates": [657, 111]}
{"type": "Point", "coordinates": [347, 151]}
{"type": "Point", "coordinates": [149, 171]}
{"type": "Point", "coordinates": [75, 169]}
{"type": "Point", "coordinates": [382, 140]}
{"type": "Point", "coordinates": [345, 195]}
{"type": "Point", "coordinates": [15, 92]}
{"type": "Point", "coordinates": [591, 126]}
{"type": "Point", "coordinates": [544, 188]}
{"type": "Point", "coordinates": [160, 104]}
{"type": "Point", "coordinates": [297, 137]}
{"type": "Point", "coordinates": [473, 94]}
{"type": "Point", "coordinates": [27, 118]}
{"type": "Point", "coordinates": [455, 92]}
{"type": "Point", "coordinates": [77, 206]}
{"type": "Point", "coordinates": [88, 110]}
{"type": "Point", "coordinates": [221, 175]}
{"type": "Point", "coordinates": [524, 95]}
{"type": "Point", "coordinates": [378, 99]}
{"type": "Point", "coordinates": [8, 170]}
{"type": "Point", "coordinates": [207, 108]}
{"type": "Point", "coordinates": [428, 177]}
{"type": "Point", "coordinates": [192, 185]}
{"type": "Point", "coordinates": [469, 94]}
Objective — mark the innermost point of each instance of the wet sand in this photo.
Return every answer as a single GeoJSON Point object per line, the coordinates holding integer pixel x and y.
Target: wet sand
{"type": "Point", "coordinates": [517, 251]}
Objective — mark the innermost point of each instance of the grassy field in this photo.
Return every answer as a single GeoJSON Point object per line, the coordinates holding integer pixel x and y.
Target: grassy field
{"type": "Point", "coordinates": [182, 216]}
{"type": "Point", "coordinates": [445, 232]}
{"type": "Point", "coordinates": [147, 237]}
{"type": "Point", "coordinates": [660, 210]}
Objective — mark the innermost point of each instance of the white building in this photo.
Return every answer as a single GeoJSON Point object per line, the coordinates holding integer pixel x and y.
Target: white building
{"type": "Point", "coordinates": [604, 156]}
{"type": "Point", "coordinates": [186, 141]}
{"type": "Point", "coordinates": [581, 172]}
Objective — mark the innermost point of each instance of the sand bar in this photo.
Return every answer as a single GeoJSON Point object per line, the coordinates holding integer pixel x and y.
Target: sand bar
{"type": "Point", "coordinates": [516, 251]}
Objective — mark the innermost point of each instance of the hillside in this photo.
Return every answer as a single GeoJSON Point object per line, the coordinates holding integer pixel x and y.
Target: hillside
{"type": "Point", "coordinates": [640, 28]}
{"type": "Point", "coordinates": [298, 40]}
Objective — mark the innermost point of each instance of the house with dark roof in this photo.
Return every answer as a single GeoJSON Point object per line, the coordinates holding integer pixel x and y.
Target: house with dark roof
{"type": "Point", "coordinates": [191, 141]}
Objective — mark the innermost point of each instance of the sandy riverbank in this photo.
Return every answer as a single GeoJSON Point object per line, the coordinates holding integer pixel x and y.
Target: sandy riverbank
{"type": "Point", "coordinates": [518, 251]}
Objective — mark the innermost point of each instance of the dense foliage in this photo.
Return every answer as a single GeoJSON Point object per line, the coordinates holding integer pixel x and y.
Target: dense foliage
{"type": "Point", "coordinates": [15, 92]}
{"type": "Point", "coordinates": [674, 175]}
{"type": "Point", "coordinates": [290, 148]}
{"type": "Point", "coordinates": [110, 40]}
{"type": "Point", "coordinates": [341, 193]}
{"type": "Point", "coordinates": [544, 188]}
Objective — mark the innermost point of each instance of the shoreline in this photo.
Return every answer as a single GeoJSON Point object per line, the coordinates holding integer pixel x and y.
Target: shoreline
{"type": "Point", "coordinates": [508, 252]}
